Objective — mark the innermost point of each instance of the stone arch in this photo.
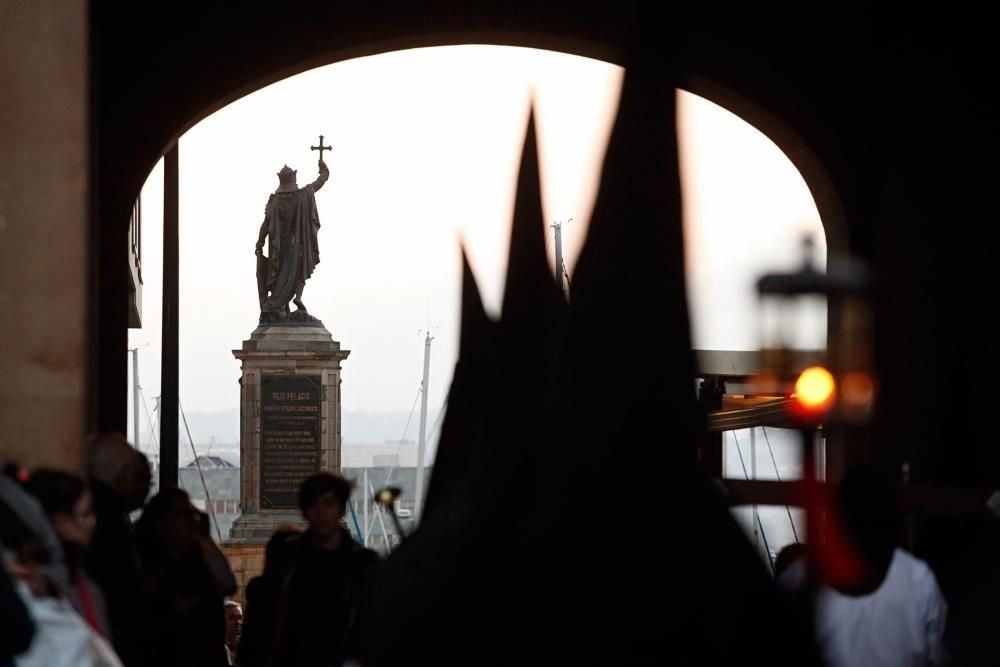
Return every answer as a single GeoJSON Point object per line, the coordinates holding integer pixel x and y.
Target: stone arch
{"type": "Point", "coordinates": [792, 144]}
{"type": "Point", "coordinates": [137, 121]}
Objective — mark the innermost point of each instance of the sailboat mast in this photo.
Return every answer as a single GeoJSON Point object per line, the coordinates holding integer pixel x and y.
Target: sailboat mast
{"type": "Point", "coordinates": [422, 442]}
{"type": "Point", "coordinates": [365, 495]}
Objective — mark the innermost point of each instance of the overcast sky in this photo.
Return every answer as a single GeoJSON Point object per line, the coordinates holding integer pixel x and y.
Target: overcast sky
{"type": "Point", "coordinates": [426, 144]}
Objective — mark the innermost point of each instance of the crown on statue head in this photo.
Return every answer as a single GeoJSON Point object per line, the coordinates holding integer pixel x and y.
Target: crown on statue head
{"type": "Point", "coordinates": [287, 175]}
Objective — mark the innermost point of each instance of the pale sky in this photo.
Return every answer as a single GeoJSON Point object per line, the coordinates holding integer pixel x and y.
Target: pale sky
{"type": "Point", "coordinates": [426, 148]}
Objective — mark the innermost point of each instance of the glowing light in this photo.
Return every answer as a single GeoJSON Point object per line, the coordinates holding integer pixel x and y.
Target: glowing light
{"type": "Point", "coordinates": [815, 389]}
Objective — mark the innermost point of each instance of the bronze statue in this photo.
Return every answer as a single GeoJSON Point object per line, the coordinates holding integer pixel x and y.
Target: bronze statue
{"type": "Point", "coordinates": [291, 224]}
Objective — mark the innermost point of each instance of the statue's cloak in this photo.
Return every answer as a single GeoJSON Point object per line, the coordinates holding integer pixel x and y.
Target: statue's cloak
{"type": "Point", "coordinates": [292, 252]}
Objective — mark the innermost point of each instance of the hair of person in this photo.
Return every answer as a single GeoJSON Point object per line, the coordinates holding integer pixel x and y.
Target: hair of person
{"type": "Point", "coordinates": [320, 484]}
{"type": "Point", "coordinates": [788, 555]}
{"type": "Point", "coordinates": [107, 456]}
{"type": "Point", "coordinates": [15, 534]}
{"type": "Point", "coordinates": [871, 515]}
{"type": "Point", "coordinates": [24, 528]}
{"type": "Point", "coordinates": [147, 530]}
{"type": "Point", "coordinates": [15, 472]}
{"type": "Point", "coordinates": [55, 490]}
{"type": "Point", "coordinates": [232, 603]}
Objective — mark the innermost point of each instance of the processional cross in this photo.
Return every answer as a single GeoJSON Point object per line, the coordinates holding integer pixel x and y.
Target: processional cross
{"type": "Point", "coordinates": [321, 148]}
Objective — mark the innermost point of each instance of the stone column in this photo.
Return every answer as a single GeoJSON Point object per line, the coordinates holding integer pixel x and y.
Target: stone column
{"type": "Point", "coordinates": [53, 380]}
{"type": "Point", "coordinates": [289, 422]}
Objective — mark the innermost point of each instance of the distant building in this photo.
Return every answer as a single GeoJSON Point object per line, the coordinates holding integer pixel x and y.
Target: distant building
{"type": "Point", "coordinates": [211, 463]}
{"type": "Point", "coordinates": [383, 464]}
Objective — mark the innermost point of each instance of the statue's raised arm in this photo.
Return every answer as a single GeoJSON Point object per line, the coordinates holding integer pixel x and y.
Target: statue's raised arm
{"type": "Point", "coordinates": [324, 175]}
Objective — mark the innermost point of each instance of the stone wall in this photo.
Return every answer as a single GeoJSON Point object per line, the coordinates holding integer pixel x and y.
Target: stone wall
{"type": "Point", "coordinates": [246, 561]}
{"type": "Point", "coordinates": [44, 188]}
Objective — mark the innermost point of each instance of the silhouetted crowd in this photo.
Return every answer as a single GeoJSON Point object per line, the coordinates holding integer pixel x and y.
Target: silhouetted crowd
{"type": "Point", "coordinates": [83, 584]}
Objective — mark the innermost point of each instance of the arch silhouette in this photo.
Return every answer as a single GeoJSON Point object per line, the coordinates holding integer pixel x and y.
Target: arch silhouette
{"type": "Point", "coordinates": [150, 88]}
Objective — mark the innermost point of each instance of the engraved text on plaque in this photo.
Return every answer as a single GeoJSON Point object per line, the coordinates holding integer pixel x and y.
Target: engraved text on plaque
{"type": "Point", "coordinates": [290, 437]}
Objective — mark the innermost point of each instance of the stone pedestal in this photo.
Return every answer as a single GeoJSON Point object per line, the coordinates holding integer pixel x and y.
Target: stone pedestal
{"type": "Point", "coordinates": [289, 421]}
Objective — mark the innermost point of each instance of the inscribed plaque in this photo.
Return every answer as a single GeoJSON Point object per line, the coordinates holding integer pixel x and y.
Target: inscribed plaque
{"type": "Point", "coordinates": [290, 437]}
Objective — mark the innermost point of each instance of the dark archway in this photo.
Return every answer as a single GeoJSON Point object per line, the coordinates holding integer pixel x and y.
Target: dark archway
{"type": "Point", "coordinates": [894, 104]}
{"type": "Point", "coordinates": [153, 84]}
{"type": "Point", "coordinates": [893, 109]}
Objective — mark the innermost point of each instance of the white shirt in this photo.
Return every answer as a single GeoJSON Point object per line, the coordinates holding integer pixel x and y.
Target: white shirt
{"type": "Point", "coordinates": [62, 638]}
{"type": "Point", "coordinates": [901, 623]}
